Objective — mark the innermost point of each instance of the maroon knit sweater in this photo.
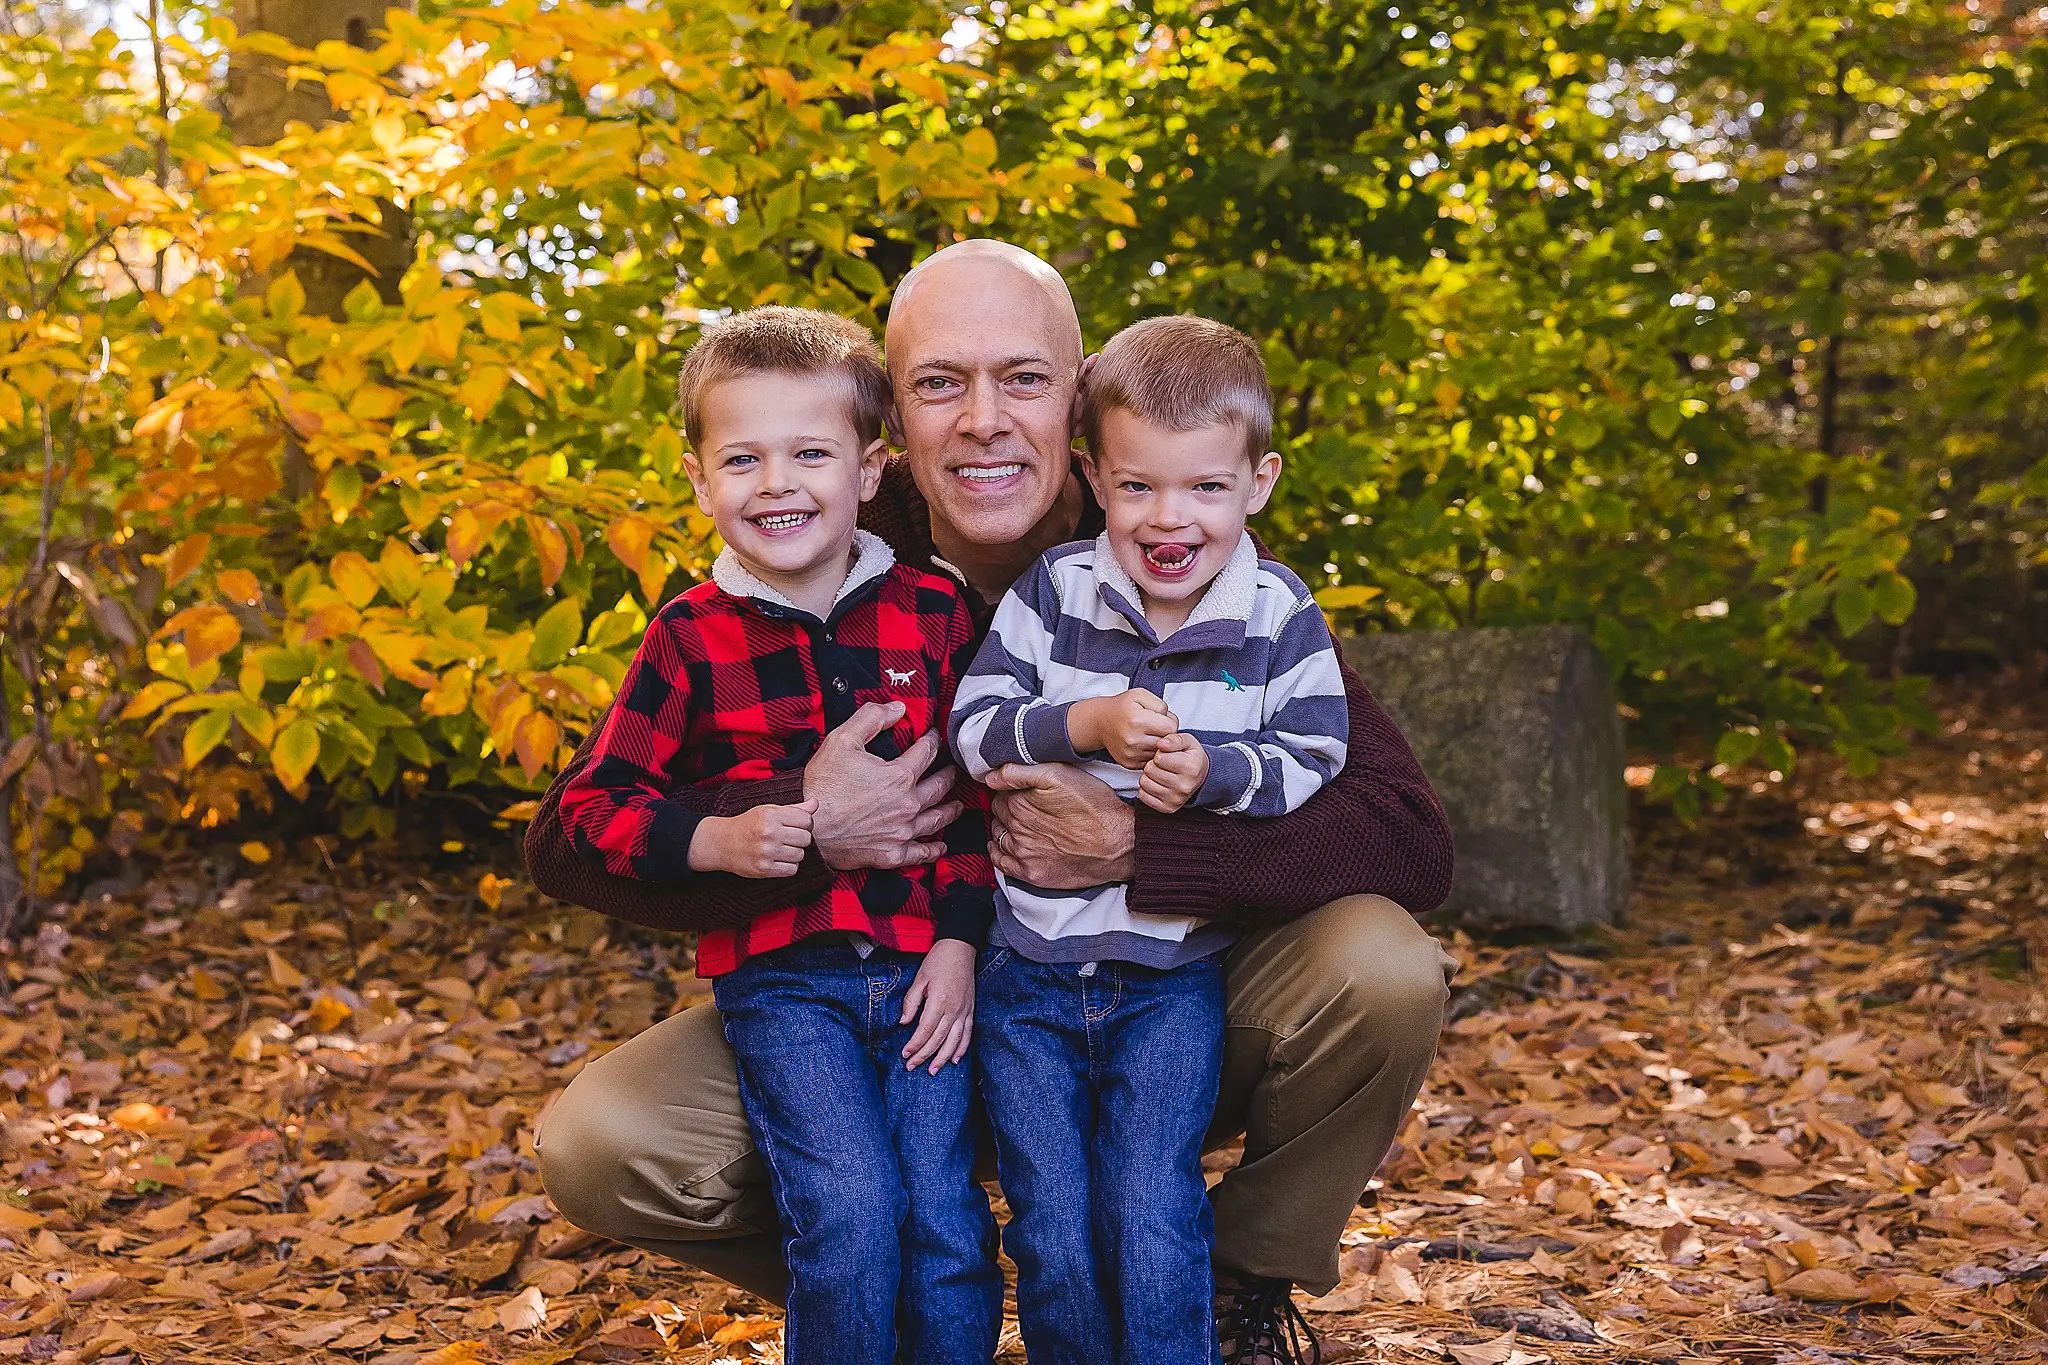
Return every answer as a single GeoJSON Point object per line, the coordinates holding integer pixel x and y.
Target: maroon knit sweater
{"type": "Point", "coordinates": [1376, 828]}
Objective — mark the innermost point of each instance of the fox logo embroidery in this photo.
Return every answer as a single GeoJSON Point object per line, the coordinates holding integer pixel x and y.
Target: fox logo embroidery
{"type": "Point", "coordinates": [903, 679]}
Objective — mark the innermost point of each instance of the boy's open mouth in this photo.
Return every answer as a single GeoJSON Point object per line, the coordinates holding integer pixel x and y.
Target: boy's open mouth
{"type": "Point", "coordinates": [781, 523]}
{"type": "Point", "coordinates": [1171, 559]}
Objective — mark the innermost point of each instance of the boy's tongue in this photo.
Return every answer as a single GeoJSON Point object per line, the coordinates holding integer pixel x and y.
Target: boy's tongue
{"type": "Point", "coordinates": [1172, 557]}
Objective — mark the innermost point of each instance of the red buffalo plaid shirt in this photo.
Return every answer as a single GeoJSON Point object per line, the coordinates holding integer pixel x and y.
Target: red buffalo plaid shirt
{"type": "Point", "coordinates": [735, 683]}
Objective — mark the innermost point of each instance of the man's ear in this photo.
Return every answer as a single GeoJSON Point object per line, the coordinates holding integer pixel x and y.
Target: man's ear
{"type": "Point", "coordinates": [1080, 388]}
{"type": "Point", "coordinates": [695, 470]}
{"type": "Point", "coordinates": [1265, 473]}
{"type": "Point", "coordinates": [871, 461]}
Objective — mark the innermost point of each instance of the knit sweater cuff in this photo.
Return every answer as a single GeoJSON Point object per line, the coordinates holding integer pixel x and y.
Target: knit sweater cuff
{"type": "Point", "coordinates": [1180, 866]}
{"type": "Point", "coordinates": [737, 798]}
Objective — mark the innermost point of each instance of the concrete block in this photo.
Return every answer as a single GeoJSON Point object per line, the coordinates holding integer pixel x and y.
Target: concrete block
{"type": "Point", "coordinates": [1518, 731]}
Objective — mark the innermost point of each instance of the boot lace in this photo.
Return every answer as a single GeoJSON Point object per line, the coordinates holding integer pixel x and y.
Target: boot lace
{"type": "Point", "coordinates": [1260, 1325]}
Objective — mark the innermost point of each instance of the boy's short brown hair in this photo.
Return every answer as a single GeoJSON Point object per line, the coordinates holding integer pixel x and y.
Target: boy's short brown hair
{"type": "Point", "coordinates": [1181, 374]}
{"type": "Point", "coordinates": [797, 341]}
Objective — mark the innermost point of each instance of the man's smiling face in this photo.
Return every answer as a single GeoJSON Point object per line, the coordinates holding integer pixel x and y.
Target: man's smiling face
{"type": "Point", "coordinates": [984, 354]}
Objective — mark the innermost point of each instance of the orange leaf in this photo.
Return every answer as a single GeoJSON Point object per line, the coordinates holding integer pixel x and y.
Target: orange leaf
{"type": "Point", "coordinates": [209, 632]}
{"type": "Point", "coordinates": [364, 660]}
{"type": "Point", "coordinates": [184, 557]}
{"type": "Point", "coordinates": [629, 538]}
{"type": "Point", "coordinates": [240, 586]}
{"type": "Point", "coordinates": [534, 742]}
{"type": "Point", "coordinates": [551, 546]}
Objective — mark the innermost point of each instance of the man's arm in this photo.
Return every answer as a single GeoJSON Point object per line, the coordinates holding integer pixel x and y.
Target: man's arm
{"type": "Point", "coordinates": [872, 812]}
{"type": "Point", "coordinates": [1377, 828]}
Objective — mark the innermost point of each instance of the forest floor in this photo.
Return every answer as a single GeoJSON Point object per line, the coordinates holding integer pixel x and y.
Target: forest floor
{"type": "Point", "coordinates": [1792, 1114]}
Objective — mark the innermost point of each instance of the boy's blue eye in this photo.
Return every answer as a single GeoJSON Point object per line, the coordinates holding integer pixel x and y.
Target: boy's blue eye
{"type": "Point", "coordinates": [1211, 486]}
{"type": "Point", "coordinates": [1133, 486]}
{"type": "Point", "coordinates": [813, 453]}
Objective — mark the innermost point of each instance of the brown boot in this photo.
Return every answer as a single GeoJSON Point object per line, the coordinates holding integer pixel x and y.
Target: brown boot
{"type": "Point", "coordinates": [1258, 1324]}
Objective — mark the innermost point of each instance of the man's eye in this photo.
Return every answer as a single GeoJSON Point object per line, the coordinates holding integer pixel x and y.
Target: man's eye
{"type": "Point", "coordinates": [1030, 379]}
{"type": "Point", "coordinates": [934, 383]}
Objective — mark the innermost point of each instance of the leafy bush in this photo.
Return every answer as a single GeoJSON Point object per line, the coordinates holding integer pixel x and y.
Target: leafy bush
{"type": "Point", "coordinates": [1715, 331]}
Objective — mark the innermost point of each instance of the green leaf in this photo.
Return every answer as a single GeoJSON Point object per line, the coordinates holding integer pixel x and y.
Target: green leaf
{"type": "Point", "coordinates": [1853, 609]}
{"type": "Point", "coordinates": [286, 297]}
{"type": "Point", "coordinates": [1665, 419]}
{"type": "Point", "coordinates": [1894, 596]}
{"type": "Point", "coordinates": [559, 627]}
{"type": "Point", "coordinates": [344, 489]}
{"type": "Point", "coordinates": [294, 753]}
{"type": "Point", "coordinates": [1737, 747]}
{"type": "Point", "coordinates": [205, 735]}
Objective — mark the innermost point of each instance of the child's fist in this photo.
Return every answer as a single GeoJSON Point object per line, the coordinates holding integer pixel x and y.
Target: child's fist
{"type": "Point", "coordinates": [1128, 726]}
{"type": "Point", "coordinates": [1175, 773]}
{"type": "Point", "coordinates": [767, 841]}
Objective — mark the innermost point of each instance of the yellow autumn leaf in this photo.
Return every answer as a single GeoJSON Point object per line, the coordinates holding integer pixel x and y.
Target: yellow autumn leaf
{"type": "Point", "coordinates": [255, 851]}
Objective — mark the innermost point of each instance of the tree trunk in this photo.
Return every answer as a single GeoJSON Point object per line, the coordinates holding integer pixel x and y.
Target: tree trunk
{"type": "Point", "coordinates": [13, 889]}
{"type": "Point", "coordinates": [261, 102]}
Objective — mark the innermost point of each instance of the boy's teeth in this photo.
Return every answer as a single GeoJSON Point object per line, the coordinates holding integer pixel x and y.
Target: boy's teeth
{"type": "Point", "coordinates": [990, 474]}
{"type": "Point", "coordinates": [782, 521]}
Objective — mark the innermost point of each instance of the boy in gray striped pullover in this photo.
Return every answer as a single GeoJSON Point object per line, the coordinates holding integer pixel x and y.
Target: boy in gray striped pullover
{"type": "Point", "coordinates": [1171, 661]}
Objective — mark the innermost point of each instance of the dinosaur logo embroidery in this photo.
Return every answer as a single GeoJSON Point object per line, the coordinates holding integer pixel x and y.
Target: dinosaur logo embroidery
{"type": "Point", "coordinates": [903, 679]}
{"type": "Point", "coordinates": [1231, 684]}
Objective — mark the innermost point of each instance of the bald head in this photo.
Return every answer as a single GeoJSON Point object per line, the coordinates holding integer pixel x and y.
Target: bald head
{"type": "Point", "coordinates": [981, 278]}
{"type": "Point", "coordinates": [985, 360]}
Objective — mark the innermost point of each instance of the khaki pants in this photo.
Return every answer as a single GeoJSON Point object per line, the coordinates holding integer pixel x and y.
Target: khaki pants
{"type": "Point", "coordinates": [1332, 1022]}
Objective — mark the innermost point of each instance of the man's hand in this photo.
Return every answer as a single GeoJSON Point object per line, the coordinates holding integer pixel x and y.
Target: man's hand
{"type": "Point", "coordinates": [1061, 829]}
{"type": "Point", "coordinates": [1175, 773]}
{"type": "Point", "coordinates": [944, 991]}
{"type": "Point", "coordinates": [875, 812]}
{"type": "Point", "coordinates": [1129, 726]}
{"type": "Point", "coordinates": [767, 841]}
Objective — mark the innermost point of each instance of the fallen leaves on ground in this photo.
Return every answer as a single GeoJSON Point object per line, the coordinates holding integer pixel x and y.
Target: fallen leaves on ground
{"type": "Point", "coordinates": [1793, 1114]}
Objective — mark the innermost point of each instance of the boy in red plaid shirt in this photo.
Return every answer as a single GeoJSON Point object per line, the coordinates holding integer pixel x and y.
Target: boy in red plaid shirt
{"type": "Point", "coordinates": [850, 1013]}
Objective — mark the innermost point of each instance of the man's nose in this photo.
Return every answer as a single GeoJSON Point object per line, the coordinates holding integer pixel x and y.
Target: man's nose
{"type": "Point", "coordinates": [983, 417]}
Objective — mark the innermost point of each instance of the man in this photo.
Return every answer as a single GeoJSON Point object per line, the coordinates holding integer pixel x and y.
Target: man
{"type": "Point", "coordinates": [1334, 995]}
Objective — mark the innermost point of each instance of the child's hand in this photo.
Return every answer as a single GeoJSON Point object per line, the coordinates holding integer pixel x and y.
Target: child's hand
{"type": "Point", "coordinates": [1175, 773]}
{"type": "Point", "coordinates": [1129, 726]}
{"type": "Point", "coordinates": [767, 841]}
{"type": "Point", "coordinates": [944, 990]}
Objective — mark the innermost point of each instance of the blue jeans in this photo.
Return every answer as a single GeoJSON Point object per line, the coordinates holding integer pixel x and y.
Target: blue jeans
{"type": "Point", "coordinates": [889, 1239]}
{"type": "Point", "coordinates": [1099, 1088]}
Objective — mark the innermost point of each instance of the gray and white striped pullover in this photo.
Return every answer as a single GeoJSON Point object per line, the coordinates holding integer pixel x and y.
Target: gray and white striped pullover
{"type": "Point", "coordinates": [1252, 674]}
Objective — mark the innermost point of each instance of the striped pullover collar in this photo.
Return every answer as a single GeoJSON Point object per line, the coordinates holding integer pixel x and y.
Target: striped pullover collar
{"type": "Point", "coordinates": [1218, 620]}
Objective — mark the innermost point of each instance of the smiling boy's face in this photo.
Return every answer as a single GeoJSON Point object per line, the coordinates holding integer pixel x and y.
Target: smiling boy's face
{"type": "Point", "coordinates": [782, 471]}
{"type": "Point", "coordinates": [1176, 503]}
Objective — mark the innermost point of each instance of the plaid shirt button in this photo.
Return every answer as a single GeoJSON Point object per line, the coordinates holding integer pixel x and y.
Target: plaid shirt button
{"type": "Point", "coordinates": [839, 686]}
